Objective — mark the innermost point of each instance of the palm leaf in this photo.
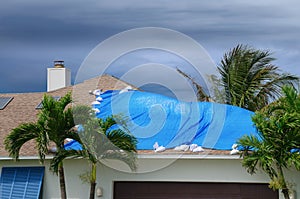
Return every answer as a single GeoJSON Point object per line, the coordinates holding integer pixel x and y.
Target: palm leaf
{"type": "Point", "coordinates": [200, 93]}
{"type": "Point", "coordinates": [63, 154]}
{"type": "Point", "coordinates": [249, 79]}
{"type": "Point", "coordinates": [127, 157]}
{"type": "Point", "coordinates": [122, 140]}
{"type": "Point", "coordinates": [24, 133]}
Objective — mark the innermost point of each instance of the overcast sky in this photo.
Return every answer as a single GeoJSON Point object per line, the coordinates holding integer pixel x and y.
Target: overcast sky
{"type": "Point", "coordinates": [34, 33]}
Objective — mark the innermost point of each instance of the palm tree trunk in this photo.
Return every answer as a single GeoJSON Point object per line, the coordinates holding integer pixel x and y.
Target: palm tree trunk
{"type": "Point", "coordinates": [62, 182]}
{"type": "Point", "coordinates": [92, 190]}
{"type": "Point", "coordinates": [285, 193]}
{"type": "Point", "coordinates": [284, 190]}
{"type": "Point", "coordinates": [93, 180]}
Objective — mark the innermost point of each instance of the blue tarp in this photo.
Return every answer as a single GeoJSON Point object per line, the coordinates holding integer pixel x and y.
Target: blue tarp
{"type": "Point", "coordinates": [157, 118]}
{"type": "Point", "coordinates": [73, 145]}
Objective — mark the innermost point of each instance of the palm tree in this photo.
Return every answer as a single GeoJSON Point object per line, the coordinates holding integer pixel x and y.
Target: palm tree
{"type": "Point", "coordinates": [249, 78]}
{"type": "Point", "coordinates": [273, 151]}
{"type": "Point", "coordinates": [200, 93]}
{"type": "Point", "coordinates": [101, 139]}
{"type": "Point", "coordinates": [54, 124]}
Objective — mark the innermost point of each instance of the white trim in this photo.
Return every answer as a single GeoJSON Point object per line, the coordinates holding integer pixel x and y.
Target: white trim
{"type": "Point", "coordinates": [188, 156]}
{"type": "Point", "coordinates": [151, 156]}
{"type": "Point", "coordinates": [25, 158]}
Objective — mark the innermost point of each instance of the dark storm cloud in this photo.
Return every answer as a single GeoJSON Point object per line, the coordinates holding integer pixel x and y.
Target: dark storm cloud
{"type": "Point", "coordinates": [34, 33]}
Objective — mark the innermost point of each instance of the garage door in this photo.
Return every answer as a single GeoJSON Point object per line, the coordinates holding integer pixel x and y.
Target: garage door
{"type": "Point", "coordinates": [190, 190]}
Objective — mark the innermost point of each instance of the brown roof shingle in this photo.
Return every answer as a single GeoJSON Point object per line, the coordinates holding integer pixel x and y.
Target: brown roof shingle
{"type": "Point", "coordinates": [22, 109]}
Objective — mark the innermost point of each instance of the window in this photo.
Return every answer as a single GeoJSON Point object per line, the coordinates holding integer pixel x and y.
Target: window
{"type": "Point", "coordinates": [4, 101]}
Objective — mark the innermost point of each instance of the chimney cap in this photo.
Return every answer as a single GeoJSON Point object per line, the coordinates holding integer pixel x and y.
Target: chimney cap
{"type": "Point", "coordinates": [59, 64]}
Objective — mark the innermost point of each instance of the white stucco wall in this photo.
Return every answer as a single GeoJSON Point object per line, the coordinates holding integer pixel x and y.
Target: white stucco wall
{"type": "Point", "coordinates": [189, 169]}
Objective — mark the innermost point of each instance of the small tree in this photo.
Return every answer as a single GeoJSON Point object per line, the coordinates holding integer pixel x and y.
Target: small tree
{"type": "Point", "coordinates": [101, 139]}
{"type": "Point", "coordinates": [55, 123]}
{"type": "Point", "coordinates": [276, 147]}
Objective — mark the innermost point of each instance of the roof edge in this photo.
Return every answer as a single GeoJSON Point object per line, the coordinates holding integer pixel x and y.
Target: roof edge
{"type": "Point", "coordinates": [153, 156]}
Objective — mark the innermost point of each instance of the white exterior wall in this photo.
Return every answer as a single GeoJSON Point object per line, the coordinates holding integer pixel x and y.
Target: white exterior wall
{"type": "Point", "coordinates": [182, 170]}
{"type": "Point", "coordinates": [58, 78]}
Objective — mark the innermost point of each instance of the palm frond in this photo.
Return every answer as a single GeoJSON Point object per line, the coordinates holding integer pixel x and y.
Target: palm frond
{"type": "Point", "coordinates": [63, 154]}
{"type": "Point", "coordinates": [249, 143]}
{"type": "Point", "coordinates": [278, 127]}
{"type": "Point", "coordinates": [256, 154]}
{"type": "Point", "coordinates": [127, 157]}
{"type": "Point", "coordinates": [65, 101]}
{"type": "Point", "coordinates": [122, 140]}
{"type": "Point", "coordinates": [200, 93]}
{"type": "Point", "coordinates": [102, 139]}
{"type": "Point", "coordinates": [24, 133]}
{"type": "Point", "coordinates": [249, 79]}
{"type": "Point", "coordinates": [107, 123]}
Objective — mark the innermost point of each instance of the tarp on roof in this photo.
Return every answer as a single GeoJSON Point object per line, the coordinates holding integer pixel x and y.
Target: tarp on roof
{"type": "Point", "coordinates": [157, 118]}
{"type": "Point", "coordinates": [73, 145]}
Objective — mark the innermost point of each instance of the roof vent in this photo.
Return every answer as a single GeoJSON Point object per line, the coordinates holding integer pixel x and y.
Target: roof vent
{"type": "Point", "coordinates": [59, 64]}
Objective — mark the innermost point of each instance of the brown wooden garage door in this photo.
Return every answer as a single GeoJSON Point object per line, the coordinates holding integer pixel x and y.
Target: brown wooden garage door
{"type": "Point", "coordinates": [190, 190]}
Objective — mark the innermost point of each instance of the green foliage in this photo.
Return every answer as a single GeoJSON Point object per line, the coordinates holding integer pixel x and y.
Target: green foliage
{"type": "Point", "coordinates": [106, 139]}
{"type": "Point", "coordinates": [278, 127]}
{"type": "Point", "coordinates": [22, 134]}
{"type": "Point", "coordinates": [100, 139]}
{"type": "Point", "coordinates": [55, 123]}
{"type": "Point", "coordinates": [249, 78]}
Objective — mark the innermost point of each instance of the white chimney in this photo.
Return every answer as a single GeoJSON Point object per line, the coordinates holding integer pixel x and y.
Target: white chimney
{"type": "Point", "coordinates": [58, 77]}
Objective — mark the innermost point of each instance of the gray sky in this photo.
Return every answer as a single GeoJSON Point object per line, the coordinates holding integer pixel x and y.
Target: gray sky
{"type": "Point", "coordinates": [34, 33]}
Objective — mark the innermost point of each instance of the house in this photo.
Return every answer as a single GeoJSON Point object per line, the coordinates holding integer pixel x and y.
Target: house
{"type": "Point", "coordinates": [169, 174]}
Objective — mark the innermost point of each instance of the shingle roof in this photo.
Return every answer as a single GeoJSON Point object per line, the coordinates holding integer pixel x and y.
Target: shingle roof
{"type": "Point", "coordinates": [22, 108]}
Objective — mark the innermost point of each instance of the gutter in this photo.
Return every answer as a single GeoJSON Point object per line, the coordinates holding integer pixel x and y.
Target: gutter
{"type": "Point", "coordinates": [25, 158]}
{"type": "Point", "coordinates": [189, 156]}
{"type": "Point", "coordinates": [152, 156]}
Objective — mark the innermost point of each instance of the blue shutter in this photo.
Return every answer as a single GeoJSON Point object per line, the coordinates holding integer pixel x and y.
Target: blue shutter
{"type": "Point", "coordinates": [21, 182]}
